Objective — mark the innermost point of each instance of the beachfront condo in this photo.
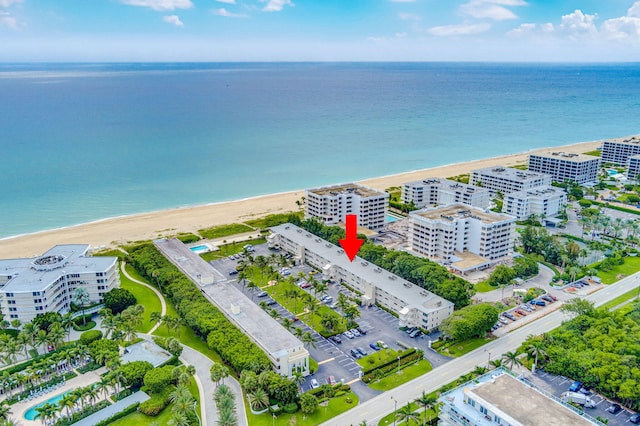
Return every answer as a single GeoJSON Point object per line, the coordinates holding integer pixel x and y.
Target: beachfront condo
{"type": "Point", "coordinates": [462, 237]}
{"type": "Point", "coordinates": [439, 191]}
{"type": "Point", "coordinates": [506, 179]}
{"type": "Point", "coordinates": [46, 283]}
{"type": "Point", "coordinates": [633, 168]}
{"type": "Point", "coordinates": [545, 201]}
{"type": "Point", "coordinates": [415, 306]}
{"type": "Point", "coordinates": [331, 204]}
{"type": "Point", "coordinates": [618, 151]}
{"type": "Point", "coordinates": [579, 168]}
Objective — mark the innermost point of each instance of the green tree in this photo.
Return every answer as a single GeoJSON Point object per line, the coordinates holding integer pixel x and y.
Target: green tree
{"type": "Point", "coordinates": [119, 299]}
{"type": "Point", "coordinates": [218, 373]}
{"type": "Point", "coordinates": [308, 403]}
{"type": "Point", "coordinates": [407, 414]}
{"type": "Point", "coordinates": [470, 321]}
{"type": "Point", "coordinates": [578, 306]}
{"type": "Point", "coordinates": [427, 402]}
{"type": "Point", "coordinates": [81, 298]}
{"type": "Point", "coordinates": [510, 359]}
{"type": "Point", "coordinates": [258, 399]}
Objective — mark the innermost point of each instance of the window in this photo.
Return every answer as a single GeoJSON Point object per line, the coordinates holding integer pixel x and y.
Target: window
{"type": "Point", "coordinates": [13, 309]}
{"type": "Point", "coordinates": [13, 316]}
{"type": "Point", "coordinates": [36, 293]}
{"type": "Point", "coordinates": [483, 410]}
{"type": "Point", "coordinates": [11, 302]}
{"type": "Point", "coordinates": [39, 308]}
{"type": "Point", "coordinates": [9, 295]}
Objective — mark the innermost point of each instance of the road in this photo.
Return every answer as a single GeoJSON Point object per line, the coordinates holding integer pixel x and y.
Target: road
{"type": "Point", "coordinates": [372, 410]}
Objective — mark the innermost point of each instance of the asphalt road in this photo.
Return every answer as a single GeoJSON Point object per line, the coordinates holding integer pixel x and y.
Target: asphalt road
{"type": "Point", "coordinates": [374, 409]}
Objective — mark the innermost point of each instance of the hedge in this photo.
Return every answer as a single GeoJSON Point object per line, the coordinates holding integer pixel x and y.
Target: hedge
{"type": "Point", "coordinates": [158, 378]}
{"type": "Point", "coordinates": [381, 364]}
{"type": "Point", "coordinates": [130, 409]}
{"type": "Point", "coordinates": [367, 378]}
{"type": "Point", "coordinates": [88, 410]}
{"type": "Point", "coordinates": [90, 336]}
{"type": "Point", "coordinates": [153, 406]}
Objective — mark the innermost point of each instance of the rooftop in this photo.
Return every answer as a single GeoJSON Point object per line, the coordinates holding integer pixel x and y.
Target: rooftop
{"type": "Point", "coordinates": [469, 261]}
{"type": "Point", "coordinates": [447, 184]}
{"type": "Point", "coordinates": [250, 318]}
{"type": "Point", "coordinates": [38, 273]}
{"type": "Point", "coordinates": [347, 188]}
{"type": "Point", "coordinates": [511, 173]}
{"type": "Point", "coordinates": [629, 140]}
{"type": "Point", "coordinates": [566, 156]}
{"type": "Point", "coordinates": [514, 401]}
{"type": "Point", "coordinates": [458, 211]}
{"type": "Point", "coordinates": [541, 192]}
{"type": "Point", "coordinates": [414, 295]}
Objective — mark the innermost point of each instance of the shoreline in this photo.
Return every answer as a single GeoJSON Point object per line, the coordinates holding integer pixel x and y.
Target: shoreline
{"type": "Point", "coordinates": [113, 231]}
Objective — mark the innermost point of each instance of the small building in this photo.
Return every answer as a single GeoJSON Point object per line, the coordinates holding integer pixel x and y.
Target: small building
{"type": "Point", "coordinates": [618, 150]}
{"type": "Point", "coordinates": [46, 283]}
{"type": "Point", "coordinates": [439, 191]}
{"type": "Point", "coordinates": [507, 179]}
{"type": "Point", "coordinates": [331, 204]}
{"type": "Point", "coordinates": [545, 201]}
{"type": "Point", "coordinates": [578, 168]}
{"type": "Point", "coordinates": [499, 398]}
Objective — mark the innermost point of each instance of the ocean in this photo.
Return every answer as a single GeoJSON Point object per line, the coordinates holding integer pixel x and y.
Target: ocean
{"type": "Point", "coordinates": [81, 142]}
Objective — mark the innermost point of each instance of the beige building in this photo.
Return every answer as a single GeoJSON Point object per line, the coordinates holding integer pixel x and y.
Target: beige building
{"type": "Point", "coordinates": [547, 201]}
{"type": "Point", "coordinates": [618, 151]}
{"type": "Point", "coordinates": [578, 168]}
{"type": "Point", "coordinates": [332, 203]}
{"type": "Point", "coordinates": [507, 179]}
{"type": "Point", "coordinates": [416, 307]}
{"type": "Point", "coordinates": [439, 191]}
{"type": "Point", "coordinates": [464, 237]}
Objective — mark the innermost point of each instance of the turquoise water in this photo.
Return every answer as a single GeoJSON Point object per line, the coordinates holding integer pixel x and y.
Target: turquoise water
{"type": "Point", "coordinates": [390, 218]}
{"type": "Point", "coordinates": [199, 248]}
{"type": "Point", "coordinates": [611, 172]}
{"type": "Point", "coordinates": [81, 142]}
{"type": "Point", "coordinates": [31, 413]}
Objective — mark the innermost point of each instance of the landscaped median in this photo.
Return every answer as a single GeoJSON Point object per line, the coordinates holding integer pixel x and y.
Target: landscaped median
{"type": "Point", "coordinates": [388, 368]}
{"type": "Point", "coordinates": [455, 348]}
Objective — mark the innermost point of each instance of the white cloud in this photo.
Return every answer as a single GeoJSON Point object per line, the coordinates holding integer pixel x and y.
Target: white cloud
{"type": "Point", "coordinates": [227, 1]}
{"type": "Point", "coordinates": [6, 20]}
{"type": "Point", "coordinates": [7, 3]}
{"type": "Point", "coordinates": [173, 20]}
{"type": "Point", "coordinates": [459, 30]}
{"type": "Point", "coordinates": [491, 9]}
{"type": "Point", "coordinates": [634, 10]}
{"type": "Point", "coordinates": [160, 4]}
{"type": "Point", "coordinates": [624, 27]}
{"type": "Point", "coordinates": [276, 5]}
{"type": "Point", "coordinates": [532, 29]}
{"type": "Point", "coordinates": [408, 16]}
{"type": "Point", "coordinates": [224, 12]}
{"type": "Point", "coordinates": [578, 24]}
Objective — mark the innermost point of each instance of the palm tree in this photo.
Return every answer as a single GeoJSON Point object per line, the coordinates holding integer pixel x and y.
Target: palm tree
{"type": "Point", "coordinates": [313, 308]}
{"type": "Point", "coordinates": [258, 399]}
{"type": "Point", "coordinates": [46, 412]}
{"type": "Point", "coordinates": [5, 411]}
{"type": "Point", "coordinates": [178, 419]}
{"type": "Point", "coordinates": [535, 350]}
{"type": "Point", "coordinates": [299, 378]}
{"type": "Point", "coordinates": [56, 335]}
{"type": "Point", "coordinates": [81, 298]}
{"type": "Point", "coordinates": [218, 373]}
{"type": "Point", "coordinates": [222, 392]}
{"type": "Point", "coordinates": [407, 414]}
{"type": "Point", "coordinates": [155, 317]}
{"type": "Point", "coordinates": [329, 321]}
{"type": "Point", "coordinates": [287, 323]}
{"type": "Point", "coordinates": [109, 322]}
{"type": "Point", "coordinates": [496, 363]}
{"type": "Point", "coordinates": [511, 358]}
{"type": "Point", "coordinates": [298, 332]}
{"type": "Point", "coordinates": [427, 402]}
{"type": "Point", "coordinates": [308, 340]}
{"type": "Point", "coordinates": [343, 302]}
{"type": "Point", "coordinates": [24, 340]}
{"type": "Point", "coordinates": [227, 418]}
{"type": "Point", "coordinates": [66, 323]}
{"type": "Point", "coordinates": [68, 401]}
{"type": "Point", "coordinates": [480, 370]}
{"type": "Point", "coordinates": [103, 386]}
{"type": "Point", "coordinates": [40, 339]}
{"type": "Point", "coordinates": [92, 393]}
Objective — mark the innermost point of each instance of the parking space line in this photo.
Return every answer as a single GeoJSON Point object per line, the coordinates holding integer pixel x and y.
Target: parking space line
{"type": "Point", "coordinates": [356, 367]}
{"type": "Point", "coordinates": [325, 361]}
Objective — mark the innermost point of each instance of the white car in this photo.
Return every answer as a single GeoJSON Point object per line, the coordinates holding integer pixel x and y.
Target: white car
{"type": "Point", "coordinates": [348, 334]}
{"type": "Point", "coordinates": [314, 384]}
{"type": "Point", "coordinates": [355, 332]}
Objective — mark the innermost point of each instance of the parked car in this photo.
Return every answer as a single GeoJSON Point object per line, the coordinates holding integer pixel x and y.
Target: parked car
{"type": "Point", "coordinates": [415, 333]}
{"type": "Point", "coordinates": [336, 339]}
{"type": "Point", "coordinates": [585, 391]}
{"type": "Point", "coordinates": [614, 408]}
{"type": "Point", "coordinates": [348, 334]}
{"type": "Point", "coordinates": [547, 298]}
{"type": "Point", "coordinates": [508, 315]}
{"type": "Point", "coordinates": [355, 333]}
{"type": "Point", "coordinates": [410, 330]}
{"type": "Point", "coordinates": [575, 386]}
{"type": "Point", "coordinates": [363, 332]}
{"type": "Point", "coordinates": [362, 351]}
{"type": "Point", "coordinates": [538, 302]}
{"type": "Point", "coordinates": [331, 380]}
{"type": "Point", "coordinates": [313, 272]}
{"type": "Point", "coordinates": [314, 384]}
{"type": "Point", "coordinates": [328, 300]}
{"type": "Point", "coordinates": [271, 302]}
{"type": "Point", "coordinates": [521, 312]}
{"type": "Point", "coordinates": [635, 419]}
{"type": "Point", "coordinates": [382, 344]}
{"type": "Point", "coordinates": [552, 297]}
{"type": "Point", "coordinates": [262, 294]}
{"type": "Point", "coordinates": [305, 285]}
{"type": "Point", "coordinates": [374, 346]}
{"type": "Point", "coordinates": [355, 354]}
{"type": "Point", "coordinates": [502, 320]}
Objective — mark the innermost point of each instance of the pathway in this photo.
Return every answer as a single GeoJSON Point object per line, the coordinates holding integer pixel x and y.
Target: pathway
{"type": "Point", "coordinates": [112, 409]}
{"type": "Point", "coordinates": [160, 296]}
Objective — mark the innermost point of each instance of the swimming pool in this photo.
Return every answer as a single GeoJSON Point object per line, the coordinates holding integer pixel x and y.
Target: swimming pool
{"type": "Point", "coordinates": [391, 218]}
{"type": "Point", "coordinates": [199, 249]}
{"type": "Point", "coordinates": [31, 413]}
{"type": "Point", "coordinates": [612, 172]}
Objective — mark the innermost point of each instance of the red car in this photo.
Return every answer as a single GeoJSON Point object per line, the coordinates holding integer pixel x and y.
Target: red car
{"type": "Point", "coordinates": [331, 380]}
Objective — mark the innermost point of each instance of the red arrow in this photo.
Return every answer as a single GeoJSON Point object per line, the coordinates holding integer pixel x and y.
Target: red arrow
{"type": "Point", "coordinates": [351, 244]}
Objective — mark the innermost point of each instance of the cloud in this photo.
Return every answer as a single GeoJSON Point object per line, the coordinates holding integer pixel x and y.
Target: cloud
{"type": "Point", "coordinates": [624, 27]}
{"type": "Point", "coordinates": [227, 1]}
{"type": "Point", "coordinates": [224, 12]}
{"type": "Point", "coordinates": [532, 29]}
{"type": "Point", "coordinates": [408, 16]}
{"type": "Point", "coordinates": [491, 9]}
{"type": "Point", "coordinates": [7, 3]}
{"type": "Point", "coordinates": [634, 10]}
{"type": "Point", "coordinates": [459, 30]}
{"type": "Point", "coordinates": [579, 24]}
{"type": "Point", "coordinates": [173, 20]}
{"type": "Point", "coordinates": [160, 4]}
{"type": "Point", "coordinates": [6, 20]}
{"type": "Point", "coordinates": [276, 5]}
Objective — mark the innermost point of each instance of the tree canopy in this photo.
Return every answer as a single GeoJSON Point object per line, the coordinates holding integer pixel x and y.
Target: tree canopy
{"type": "Point", "coordinates": [118, 299]}
{"type": "Point", "coordinates": [470, 321]}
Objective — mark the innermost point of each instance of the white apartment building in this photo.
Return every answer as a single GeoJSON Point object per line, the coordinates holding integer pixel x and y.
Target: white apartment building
{"type": "Point", "coordinates": [448, 234]}
{"type": "Point", "coordinates": [29, 287]}
{"type": "Point", "coordinates": [547, 201]}
{"type": "Point", "coordinates": [563, 166]}
{"type": "Point", "coordinates": [438, 191]}
{"type": "Point", "coordinates": [618, 151]}
{"type": "Point", "coordinates": [633, 168]}
{"type": "Point", "coordinates": [331, 204]}
{"type": "Point", "coordinates": [416, 307]}
{"type": "Point", "coordinates": [285, 351]}
{"type": "Point", "coordinates": [498, 398]}
{"type": "Point", "coordinates": [507, 179]}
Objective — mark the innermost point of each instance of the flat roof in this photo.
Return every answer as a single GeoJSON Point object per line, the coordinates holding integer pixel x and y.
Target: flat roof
{"type": "Point", "coordinates": [39, 272]}
{"type": "Point", "coordinates": [347, 188]}
{"type": "Point", "coordinates": [629, 140]}
{"type": "Point", "coordinates": [567, 156]}
{"type": "Point", "coordinates": [249, 317]}
{"type": "Point", "coordinates": [469, 261]}
{"type": "Point", "coordinates": [460, 211]}
{"type": "Point", "coordinates": [411, 294]}
{"type": "Point", "coordinates": [540, 192]}
{"type": "Point", "coordinates": [511, 173]}
{"type": "Point", "coordinates": [446, 183]}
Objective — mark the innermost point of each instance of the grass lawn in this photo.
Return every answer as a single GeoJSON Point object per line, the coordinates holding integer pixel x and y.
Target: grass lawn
{"type": "Point", "coordinates": [457, 349]}
{"type": "Point", "coordinates": [484, 286]}
{"type": "Point", "coordinates": [224, 230]}
{"type": "Point", "coordinates": [381, 355]}
{"type": "Point", "coordinates": [231, 248]}
{"type": "Point", "coordinates": [621, 299]}
{"type": "Point", "coordinates": [388, 419]}
{"type": "Point", "coordinates": [322, 414]}
{"type": "Point", "coordinates": [145, 297]}
{"type": "Point", "coordinates": [273, 220]}
{"type": "Point", "coordinates": [630, 266]}
{"type": "Point", "coordinates": [406, 374]}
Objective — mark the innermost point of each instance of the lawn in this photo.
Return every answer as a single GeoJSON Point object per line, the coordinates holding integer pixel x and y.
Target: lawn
{"type": "Point", "coordinates": [272, 220]}
{"type": "Point", "coordinates": [224, 230]}
{"type": "Point", "coordinates": [231, 248]}
{"type": "Point", "coordinates": [484, 286]}
{"type": "Point", "coordinates": [457, 349]}
{"type": "Point", "coordinates": [406, 374]}
{"type": "Point", "coordinates": [145, 297]}
{"type": "Point", "coordinates": [389, 418]}
{"type": "Point", "coordinates": [622, 298]}
{"type": "Point", "coordinates": [630, 266]}
{"type": "Point", "coordinates": [336, 406]}
{"type": "Point", "coordinates": [381, 355]}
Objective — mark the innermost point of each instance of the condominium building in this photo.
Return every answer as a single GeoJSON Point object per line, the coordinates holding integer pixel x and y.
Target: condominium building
{"type": "Point", "coordinates": [331, 204]}
{"type": "Point", "coordinates": [29, 287]}
{"type": "Point", "coordinates": [618, 151]}
{"type": "Point", "coordinates": [465, 237]}
{"type": "Point", "coordinates": [633, 168]}
{"type": "Point", "coordinates": [546, 201]}
{"type": "Point", "coordinates": [578, 168]}
{"type": "Point", "coordinates": [500, 398]}
{"type": "Point", "coordinates": [415, 306]}
{"type": "Point", "coordinates": [438, 191]}
{"type": "Point", "coordinates": [285, 351]}
{"type": "Point", "coordinates": [507, 179]}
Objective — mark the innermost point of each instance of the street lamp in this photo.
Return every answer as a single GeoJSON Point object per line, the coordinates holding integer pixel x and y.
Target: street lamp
{"type": "Point", "coordinates": [395, 410]}
{"type": "Point", "coordinates": [196, 413]}
{"type": "Point", "coordinates": [398, 364]}
{"type": "Point", "coordinates": [273, 417]}
{"type": "Point", "coordinates": [488, 360]}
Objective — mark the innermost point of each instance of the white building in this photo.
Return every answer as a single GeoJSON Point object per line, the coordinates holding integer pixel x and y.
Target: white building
{"type": "Point", "coordinates": [547, 201]}
{"type": "Point", "coordinates": [465, 237]}
{"type": "Point", "coordinates": [618, 151]}
{"type": "Point", "coordinates": [507, 179]}
{"type": "Point", "coordinates": [285, 351]}
{"type": "Point", "coordinates": [29, 287]}
{"type": "Point", "coordinates": [563, 166]}
{"type": "Point", "coordinates": [438, 191]}
{"type": "Point", "coordinates": [497, 398]}
{"type": "Point", "coordinates": [416, 307]}
{"type": "Point", "coordinates": [331, 204]}
{"type": "Point", "coordinates": [633, 168]}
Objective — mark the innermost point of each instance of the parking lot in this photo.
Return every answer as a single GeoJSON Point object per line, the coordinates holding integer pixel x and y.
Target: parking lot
{"type": "Point", "coordinates": [556, 385]}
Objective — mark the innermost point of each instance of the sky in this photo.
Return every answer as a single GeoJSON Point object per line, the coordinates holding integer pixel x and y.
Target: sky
{"type": "Point", "coordinates": [319, 30]}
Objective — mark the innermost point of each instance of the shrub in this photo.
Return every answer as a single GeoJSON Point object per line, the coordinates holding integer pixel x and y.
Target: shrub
{"type": "Point", "coordinates": [122, 394]}
{"type": "Point", "coordinates": [158, 379]}
{"type": "Point", "coordinates": [134, 372]}
{"type": "Point", "coordinates": [90, 336]}
{"type": "Point", "coordinates": [340, 393]}
{"type": "Point", "coordinates": [153, 406]}
{"type": "Point", "coordinates": [118, 299]}
{"type": "Point", "coordinates": [130, 409]}
{"type": "Point", "coordinates": [80, 321]}
{"type": "Point", "coordinates": [88, 326]}
{"type": "Point", "coordinates": [291, 408]}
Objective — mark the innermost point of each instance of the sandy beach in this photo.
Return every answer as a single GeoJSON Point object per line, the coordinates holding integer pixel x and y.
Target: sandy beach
{"type": "Point", "coordinates": [111, 232]}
